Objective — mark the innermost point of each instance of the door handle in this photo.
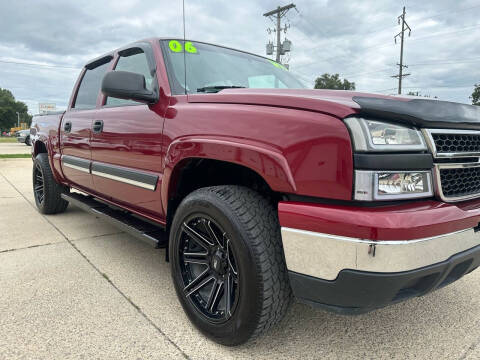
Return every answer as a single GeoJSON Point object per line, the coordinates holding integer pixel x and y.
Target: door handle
{"type": "Point", "coordinates": [97, 126]}
{"type": "Point", "coordinates": [67, 126]}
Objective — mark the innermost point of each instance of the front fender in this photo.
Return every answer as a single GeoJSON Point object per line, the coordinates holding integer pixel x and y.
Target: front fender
{"type": "Point", "coordinates": [266, 161]}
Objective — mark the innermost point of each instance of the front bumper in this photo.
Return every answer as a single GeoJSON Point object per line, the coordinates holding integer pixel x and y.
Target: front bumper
{"type": "Point", "coordinates": [389, 261]}
{"type": "Point", "coordinates": [357, 292]}
{"type": "Point", "coordinates": [21, 139]}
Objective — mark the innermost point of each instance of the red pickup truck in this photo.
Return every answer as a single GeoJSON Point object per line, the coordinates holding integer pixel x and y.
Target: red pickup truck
{"type": "Point", "coordinates": [261, 189]}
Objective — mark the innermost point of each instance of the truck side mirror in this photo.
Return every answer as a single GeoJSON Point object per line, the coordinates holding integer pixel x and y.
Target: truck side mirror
{"type": "Point", "coordinates": [127, 85]}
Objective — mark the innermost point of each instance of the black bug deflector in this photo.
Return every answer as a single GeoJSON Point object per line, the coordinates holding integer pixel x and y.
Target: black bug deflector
{"type": "Point", "coordinates": [421, 112]}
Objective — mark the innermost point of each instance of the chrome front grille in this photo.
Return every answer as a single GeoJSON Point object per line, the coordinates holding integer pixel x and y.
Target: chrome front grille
{"type": "Point", "coordinates": [457, 163]}
{"type": "Point", "coordinates": [456, 143]}
{"type": "Point", "coordinates": [457, 182]}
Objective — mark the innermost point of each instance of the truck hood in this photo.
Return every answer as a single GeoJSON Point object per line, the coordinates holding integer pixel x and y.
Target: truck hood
{"type": "Point", "coordinates": [411, 111]}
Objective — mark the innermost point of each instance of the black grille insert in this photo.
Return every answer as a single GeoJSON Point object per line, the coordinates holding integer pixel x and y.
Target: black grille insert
{"type": "Point", "coordinates": [460, 181]}
{"type": "Point", "coordinates": [456, 143]}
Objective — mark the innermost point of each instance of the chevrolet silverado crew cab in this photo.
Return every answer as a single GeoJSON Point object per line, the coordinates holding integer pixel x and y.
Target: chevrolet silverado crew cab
{"type": "Point", "coordinates": [262, 190]}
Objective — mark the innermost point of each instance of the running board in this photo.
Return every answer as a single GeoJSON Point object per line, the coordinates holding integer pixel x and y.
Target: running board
{"type": "Point", "coordinates": [124, 220]}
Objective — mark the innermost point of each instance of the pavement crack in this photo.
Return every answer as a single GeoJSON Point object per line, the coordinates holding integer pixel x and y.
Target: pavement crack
{"type": "Point", "coordinates": [105, 276]}
{"type": "Point", "coordinates": [470, 349]}
{"type": "Point", "coordinates": [135, 306]}
{"type": "Point", "coordinates": [98, 236]}
{"type": "Point", "coordinates": [27, 247]}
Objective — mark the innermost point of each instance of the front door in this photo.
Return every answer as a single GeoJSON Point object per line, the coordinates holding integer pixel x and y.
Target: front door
{"type": "Point", "coordinates": [126, 144]}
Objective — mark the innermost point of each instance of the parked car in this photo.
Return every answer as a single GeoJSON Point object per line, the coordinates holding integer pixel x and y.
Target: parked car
{"type": "Point", "coordinates": [261, 189]}
{"type": "Point", "coordinates": [23, 136]}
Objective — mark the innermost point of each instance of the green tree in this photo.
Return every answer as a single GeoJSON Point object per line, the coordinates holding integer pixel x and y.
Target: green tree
{"type": "Point", "coordinates": [8, 111]}
{"type": "Point", "coordinates": [328, 81]}
{"type": "Point", "coordinates": [476, 95]}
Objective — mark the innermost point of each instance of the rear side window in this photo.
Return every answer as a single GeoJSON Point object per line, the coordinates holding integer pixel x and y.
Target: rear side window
{"type": "Point", "coordinates": [136, 62]}
{"type": "Point", "coordinates": [90, 87]}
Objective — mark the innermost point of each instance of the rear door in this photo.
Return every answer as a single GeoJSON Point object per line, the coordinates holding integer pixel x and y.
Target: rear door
{"type": "Point", "coordinates": [76, 126]}
{"type": "Point", "coordinates": [126, 141]}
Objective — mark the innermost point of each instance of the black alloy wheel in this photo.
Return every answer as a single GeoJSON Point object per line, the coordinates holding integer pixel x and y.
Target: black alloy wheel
{"type": "Point", "coordinates": [227, 262]}
{"type": "Point", "coordinates": [208, 268]}
{"type": "Point", "coordinates": [46, 191]}
{"type": "Point", "coordinates": [38, 184]}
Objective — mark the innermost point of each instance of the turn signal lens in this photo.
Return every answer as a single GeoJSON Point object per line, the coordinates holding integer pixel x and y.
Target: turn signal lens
{"type": "Point", "coordinates": [402, 183]}
{"type": "Point", "coordinates": [391, 185]}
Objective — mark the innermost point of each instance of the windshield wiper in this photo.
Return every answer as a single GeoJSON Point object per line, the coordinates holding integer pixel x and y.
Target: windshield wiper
{"type": "Point", "coordinates": [214, 89]}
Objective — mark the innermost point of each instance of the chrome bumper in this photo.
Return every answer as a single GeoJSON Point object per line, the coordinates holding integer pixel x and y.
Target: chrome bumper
{"type": "Point", "coordinates": [324, 256]}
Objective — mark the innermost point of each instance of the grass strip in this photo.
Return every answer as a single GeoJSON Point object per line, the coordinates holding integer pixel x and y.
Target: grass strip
{"type": "Point", "coordinates": [15, 156]}
{"type": "Point", "coordinates": [8, 139]}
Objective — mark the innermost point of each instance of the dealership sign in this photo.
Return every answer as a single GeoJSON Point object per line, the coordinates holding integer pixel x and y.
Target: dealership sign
{"type": "Point", "coordinates": [43, 108]}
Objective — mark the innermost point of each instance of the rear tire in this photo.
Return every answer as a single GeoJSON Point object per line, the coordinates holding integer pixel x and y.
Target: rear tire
{"type": "Point", "coordinates": [230, 235]}
{"type": "Point", "coordinates": [46, 191]}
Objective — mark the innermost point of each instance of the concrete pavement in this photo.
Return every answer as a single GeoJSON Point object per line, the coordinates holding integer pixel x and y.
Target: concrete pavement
{"type": "Point", "coordinates": [14, 148]}
{"type": "Point", "coordinates": [72, 286]}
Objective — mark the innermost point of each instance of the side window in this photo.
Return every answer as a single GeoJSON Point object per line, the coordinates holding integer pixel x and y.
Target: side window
{"type": "Point", "coordinates": [135, 62]}
{"type": "Point", "coordinates": [90, 87]}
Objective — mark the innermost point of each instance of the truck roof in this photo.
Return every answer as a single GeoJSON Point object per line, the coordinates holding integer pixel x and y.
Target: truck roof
{"type": "Point", "coordinates": [101, 58]}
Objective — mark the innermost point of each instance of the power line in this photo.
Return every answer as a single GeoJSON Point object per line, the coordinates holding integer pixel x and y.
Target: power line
{"type": "Point", "coordinates": [368, 72]}
{"type": "Point", "coordinates": [459, 86]}
{"type": "Point", "coordinates": [38, 65]}
{"type": "Point", "coordinates": [386, 45]}
{"type": "Point", "coordinates": [377, 91]}
{"type": "Point", "coordinates": [380, 46]}
{"type": "Point", "coordinates": [446, 33]}
{"type": "Point", "coordinates": [447, 62]}
{"type": "Point", "coordinates": [389, 27]}
{"type": "Point", "coordinates": [439, 62]}
{"type": "Point", "coordinates": [339, 56]}
{"type": "Point", "coordinates": [445, 10]}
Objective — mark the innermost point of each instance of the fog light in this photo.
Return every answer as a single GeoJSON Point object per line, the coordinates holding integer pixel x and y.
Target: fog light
{"type": "Point", "coordinates": [392, 185]}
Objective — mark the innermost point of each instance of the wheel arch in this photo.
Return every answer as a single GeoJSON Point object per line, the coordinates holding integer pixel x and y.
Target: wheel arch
{"type": "Point", "coordinates": [204, 159]}
{"type": "Point", "coordinates": [39, 147]}
{"type": "Point", "coordinates": [42, 145]}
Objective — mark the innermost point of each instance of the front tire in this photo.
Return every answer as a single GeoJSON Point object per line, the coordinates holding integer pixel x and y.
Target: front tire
{"type": "Point", "coordinates": [228, 265]}
{"type": "Point", "coordinates": [27, 141]}
{"type": "Point", "coordinates": [46, 191]}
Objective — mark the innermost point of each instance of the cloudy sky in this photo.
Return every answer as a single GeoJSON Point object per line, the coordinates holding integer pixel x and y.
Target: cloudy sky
{"type": "Point", "coordinates": [44, 43]}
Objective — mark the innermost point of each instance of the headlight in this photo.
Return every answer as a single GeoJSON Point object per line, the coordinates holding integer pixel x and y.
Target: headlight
{"type": "Point", "coordinates": [372, 135]}
{"type": "Point", "coordinates": [391, 185]}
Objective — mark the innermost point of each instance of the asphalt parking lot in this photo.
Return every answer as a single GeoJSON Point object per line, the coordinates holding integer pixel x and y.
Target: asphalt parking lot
{"type": "Point", "coordinates": [72, 286]}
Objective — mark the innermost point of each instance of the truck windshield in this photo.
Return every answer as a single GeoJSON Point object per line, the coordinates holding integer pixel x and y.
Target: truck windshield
{"type": "Point", "coordinates": [213, 68]}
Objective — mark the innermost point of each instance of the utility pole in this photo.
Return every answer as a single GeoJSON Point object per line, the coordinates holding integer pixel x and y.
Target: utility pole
{"type": "Point", "coordinates": [401, 34]}
{"type": "Point", "coordinates": [278, 13]}
{"type": "Point", "coordinates": [18, 119]}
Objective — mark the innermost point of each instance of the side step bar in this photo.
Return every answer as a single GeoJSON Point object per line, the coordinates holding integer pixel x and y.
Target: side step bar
{"type": "Point", "coordinates": [141, 229]}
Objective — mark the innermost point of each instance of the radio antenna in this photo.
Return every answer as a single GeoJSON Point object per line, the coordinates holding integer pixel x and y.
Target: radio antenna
{"type": "Point", "coordinates": [184, 52]}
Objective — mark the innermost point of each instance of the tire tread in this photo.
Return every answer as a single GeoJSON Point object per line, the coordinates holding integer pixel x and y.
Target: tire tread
{"type": "Point", "coordinates": [53, 202]}
{"type": "Point", "coordinates": [260, 221]}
